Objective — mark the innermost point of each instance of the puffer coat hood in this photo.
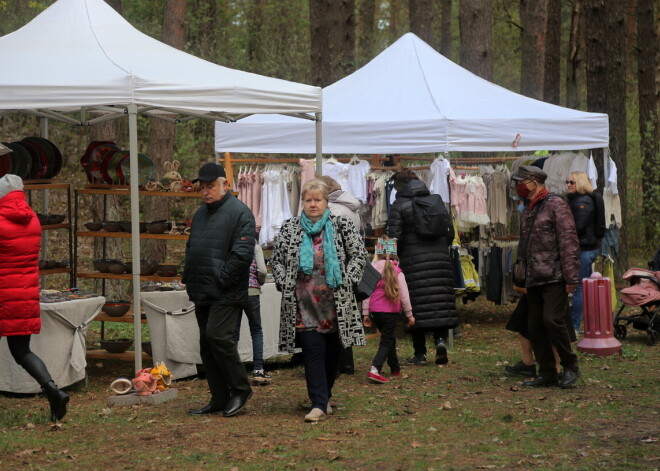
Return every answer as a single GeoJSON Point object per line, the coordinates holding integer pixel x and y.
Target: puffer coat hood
{"type": "Point", "coordinates": [342, 203]}
{"type": "Point", "coordinates": [20, 242]}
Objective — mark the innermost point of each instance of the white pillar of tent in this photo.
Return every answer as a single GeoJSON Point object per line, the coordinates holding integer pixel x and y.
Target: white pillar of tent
{"type": "Point", "coordinates": [319, 144]}
{"type": "Point", "coordinates": [135, 232]}
{"type": "Point", "coordinates": [43, 132]}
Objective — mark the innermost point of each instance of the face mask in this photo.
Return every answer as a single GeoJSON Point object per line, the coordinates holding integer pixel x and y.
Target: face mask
{"type": "Point", "coordinates": [522, 190]}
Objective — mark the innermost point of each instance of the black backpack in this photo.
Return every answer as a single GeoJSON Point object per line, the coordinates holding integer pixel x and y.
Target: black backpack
{"type": "Point", "coordinates": [430, 217]}
{"type": "Point", "coordinates": [601, 225]}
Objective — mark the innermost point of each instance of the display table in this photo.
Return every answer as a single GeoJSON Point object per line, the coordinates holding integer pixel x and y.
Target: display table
{"type": "Point", "coordinates": [175, 334]}
{"type": "Point", "coordinates": [61, 346]}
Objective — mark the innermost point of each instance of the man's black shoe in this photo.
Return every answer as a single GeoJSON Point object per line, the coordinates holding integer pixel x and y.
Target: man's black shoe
{"type": "Point", "coordinates": [541, 382]}
{"type": "Point", "coordinates": [441, 353]}
{"type": "Point", "coordinates": [206, 410]}
{"type": "Point", "coordinates": [236, 404]}
{"type": "Point", "coordinates": [521, 369]}
{"type": "Point", "coordinates": [568, 379]}
{"type": "Point", "coordinates": [418, 360]}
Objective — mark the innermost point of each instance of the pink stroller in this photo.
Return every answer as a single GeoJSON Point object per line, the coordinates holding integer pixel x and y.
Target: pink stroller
{"type": "Point", "coordinates": [643, 293]}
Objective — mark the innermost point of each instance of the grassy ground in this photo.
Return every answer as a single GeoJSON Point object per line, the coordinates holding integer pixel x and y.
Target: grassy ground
{"type": "Point", "coordinates": [466, 415]}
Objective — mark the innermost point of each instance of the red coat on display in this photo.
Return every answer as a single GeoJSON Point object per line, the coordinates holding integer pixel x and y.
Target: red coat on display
{"type": "Point", "coordinates": [20, 241]}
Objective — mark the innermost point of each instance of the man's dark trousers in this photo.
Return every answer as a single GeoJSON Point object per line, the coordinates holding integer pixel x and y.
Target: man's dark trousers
{"type": "Point", "coordinates": [225, 372]}
{"type": "Point", "coordinates": [547, 327]}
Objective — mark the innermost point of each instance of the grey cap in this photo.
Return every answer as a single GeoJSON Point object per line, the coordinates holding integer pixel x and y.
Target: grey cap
{"type": "Point", "coordinates": [210, 172]}
{"type": "Point", "coordinates": [530, 172]}
{"type": "Point", "coordinates": [10, 183]}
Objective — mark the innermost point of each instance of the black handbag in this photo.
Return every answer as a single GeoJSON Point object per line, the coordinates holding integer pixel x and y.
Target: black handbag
{"type": "Point", "coordinates": [367, 285]}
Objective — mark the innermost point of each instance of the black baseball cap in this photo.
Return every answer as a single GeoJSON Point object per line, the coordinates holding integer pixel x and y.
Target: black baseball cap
{"type": "Point", "coordinates": [530, 172]}
{"type": "Point", "coordinates": [210, 172]}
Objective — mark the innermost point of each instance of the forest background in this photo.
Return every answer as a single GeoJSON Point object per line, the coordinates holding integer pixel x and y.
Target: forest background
{"type": "Point", "coordinates": [593, 55]}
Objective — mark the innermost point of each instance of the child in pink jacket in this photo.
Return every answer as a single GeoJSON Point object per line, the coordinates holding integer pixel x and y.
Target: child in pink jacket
{"type": "Point", "coordinates": [384, 307]}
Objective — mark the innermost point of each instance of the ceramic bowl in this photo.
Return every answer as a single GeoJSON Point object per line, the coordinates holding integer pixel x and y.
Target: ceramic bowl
{"type": "Point", "coordinates": [117, 267]}
{"type": "Point", "coordinates": [56, 218]}
{"type": "Point", "coordinates": [156, 227]}
{"type": "Point", "coordinates": [43, 219]}
{"type": "Point", "coordinates": [111, 226]}
{"type": "Point", "coordinates": [146, 347]}
{"type": "Point", "coordinates": [116, 345]}
{"type": "Point", "coordinates": [116, 308]}
{"type": "Point", "coordinates": [146, 267]}
{"type": "Point", "coordinates": [50, 264]}
{"type": "Point", "coordinates": [102, 264]}
{"type": "Point", "coordinates": [61, 263]}
{"type": "Point", "coordinates": [94, 226]}
{"type": "Point", "coordinates": [167, 270]}
{"type": "Point", "coordinates": [126, 226]}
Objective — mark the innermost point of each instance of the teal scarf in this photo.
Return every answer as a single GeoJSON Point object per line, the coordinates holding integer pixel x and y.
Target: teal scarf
{"type": "Point", "coordinates": [330, 260]}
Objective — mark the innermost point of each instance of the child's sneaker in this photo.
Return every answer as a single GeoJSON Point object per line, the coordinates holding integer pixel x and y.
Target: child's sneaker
{"type": "Point", "coordinates": [377, 378]}
{"type": "Point", "coordinates": [260, 377]}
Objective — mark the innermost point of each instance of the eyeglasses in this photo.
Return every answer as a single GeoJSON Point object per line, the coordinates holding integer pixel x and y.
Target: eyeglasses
{"type": "Point", "coordinates": [570, 182]}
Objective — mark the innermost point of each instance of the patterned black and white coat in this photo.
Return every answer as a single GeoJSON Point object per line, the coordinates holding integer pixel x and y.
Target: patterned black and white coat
{"type": "Point", "coordinates": [352, 258]}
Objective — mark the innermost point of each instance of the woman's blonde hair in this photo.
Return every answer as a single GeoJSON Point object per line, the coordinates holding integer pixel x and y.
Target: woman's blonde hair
{"type": "Point", "coordinates": [582, 183]}
{"type": "Point", "coordinates": [315, 185]}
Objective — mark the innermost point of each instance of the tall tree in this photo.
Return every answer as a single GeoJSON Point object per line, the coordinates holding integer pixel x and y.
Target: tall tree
{"type": "Point", "coordinates": [162, 133]}
{"type": "Point", "coordinates": [116, 4]}
{"type": "Point", "coordinates": [366, 31]}
{"type": "Point", "coordinates": [534, 19]}
{"type": "Point", "coordinates": [476, 26]}
{"type": "Point", "coordinates": [255, 25]}
{"type": "Point", "coordinates": [446, 43]}
{"type": "Point", "coordinates": [575, 55]}
{"type": "Point", "coordinates": [647, 48]}
{"type": "Point", "coordinates": [606, 91]}
{"type": "Point", "coordinates": [551, 68]}
{"type": "Point", "coordinates": [421, 14]}
{"type": "Point", "coordinates": [332, 27]}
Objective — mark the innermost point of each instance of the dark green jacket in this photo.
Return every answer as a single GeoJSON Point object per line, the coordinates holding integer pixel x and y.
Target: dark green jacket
{"type": "Point", "coordinates": [219, 252]}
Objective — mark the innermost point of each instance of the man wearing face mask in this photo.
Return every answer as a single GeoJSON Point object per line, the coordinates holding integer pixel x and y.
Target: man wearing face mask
{"type": "Point", "coordinates": [550, 248]}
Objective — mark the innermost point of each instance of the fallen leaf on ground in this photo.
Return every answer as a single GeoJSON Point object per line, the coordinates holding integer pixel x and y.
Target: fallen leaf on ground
{"type": "Point", "coordinates": [415, 445]}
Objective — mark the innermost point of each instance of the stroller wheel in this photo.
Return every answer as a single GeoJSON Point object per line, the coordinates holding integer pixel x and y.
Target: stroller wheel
{"type": "Point", "coordinates": [651, 337]}
{"type": "Point", "coordinates": [620, 331]}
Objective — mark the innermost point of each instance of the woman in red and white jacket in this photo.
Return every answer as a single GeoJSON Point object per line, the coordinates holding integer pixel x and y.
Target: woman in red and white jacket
{"type": "Point", "coordinates": [384, 306]}
{"type": "Point", "coordinates": [20, 242]}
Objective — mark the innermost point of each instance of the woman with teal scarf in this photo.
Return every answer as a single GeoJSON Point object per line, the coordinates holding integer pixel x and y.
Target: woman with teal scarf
{"type": "Point", "coordinates": [317, 260]}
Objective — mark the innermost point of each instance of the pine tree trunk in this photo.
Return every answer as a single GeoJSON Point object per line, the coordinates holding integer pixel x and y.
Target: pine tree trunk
{"type": "Point", "coordinates": [534, 18]}
{"type": "Point", "coordinates": [162, 133]}
{"type": "Point", "coordinates": [255, 21]}
{"type": "Point", "coordinates": [575, 55]}
{"type": "Point", "coordinates": [446, 43]}
{"type": "Point", "coordinates": [476, 25]}
{"type": "Point", "coordinates": [606, 93]}
{"type": "Point", "coordinates": [332, 28]}
{"type": "Point", "coordinates": [366, 27]}
{"type": "Point", "coordinates": [420, 15]}
{"type": "Point", "coordinates": [552, 53]}
{"type": "Point", "coordinates": [647, 48]}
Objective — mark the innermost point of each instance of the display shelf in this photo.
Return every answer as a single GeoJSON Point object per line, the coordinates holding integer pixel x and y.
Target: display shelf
{"type": "Point", "coordinates": [52, 271]}
{"type": "Point", "coordinates": [128, 355]}
{"type": "Point", "coordinates": [119, 190]}
{"type": "Point", "coordinates": [127, 235]}
{"type": "Point", "coordinates": [125, 276]}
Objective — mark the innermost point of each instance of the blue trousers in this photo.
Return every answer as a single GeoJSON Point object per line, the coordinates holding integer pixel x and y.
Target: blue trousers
{"type": "Point", "coordinates": [587, 258]}
{"type": "Point", "coordinates": [321, 354]}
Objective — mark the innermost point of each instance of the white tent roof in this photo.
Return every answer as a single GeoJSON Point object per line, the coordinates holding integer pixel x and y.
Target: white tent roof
{"type": "Point", "coordinates": [81, 53]}
{"type": "Point", "coordinates": [411, 99]}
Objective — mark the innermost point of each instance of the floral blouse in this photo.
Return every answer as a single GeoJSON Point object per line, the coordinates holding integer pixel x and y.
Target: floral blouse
{"type": "Point", "coordinates": [316, 300]}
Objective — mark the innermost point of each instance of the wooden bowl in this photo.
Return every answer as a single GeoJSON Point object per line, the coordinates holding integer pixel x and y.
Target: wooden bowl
{"type": "Point", "coordinates": [116, 308]}
{"type": "Point", "coordinates": [102, 264]}
{"type": "Point", "coordinates": [156, 227]}
{"type": "Point", "coordinates": [117, 267]}
{"type": "Point", "coordinates": [56, 218]}
{"type": "Point", "coordinates": [116, 345]}
{"type": "Point", "coordinates": [111, 226]}
{"type": "Point", "coordinates": [61, 263]}
{"type": "Point", "coordinates": [126, 226]}
{"type": "Point", "coordinates": [167, 270]}
{"type": "Point", "coordinates": [94, 226]}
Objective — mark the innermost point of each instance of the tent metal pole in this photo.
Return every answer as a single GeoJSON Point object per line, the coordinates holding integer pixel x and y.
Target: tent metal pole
{"type": "Point", "coordinates": [319, 144]}
{"type": "Point", "coordinates": [43, 132]}
{"type": "Point", "coordinates": [135, 232]}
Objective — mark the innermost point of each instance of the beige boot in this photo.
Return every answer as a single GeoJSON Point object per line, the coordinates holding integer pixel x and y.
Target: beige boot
{"type": "Point", "coordinates": [315, 415]}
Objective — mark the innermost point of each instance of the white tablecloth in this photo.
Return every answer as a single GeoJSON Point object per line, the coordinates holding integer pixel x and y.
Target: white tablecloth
{"type": "Point", "coordinates": [175, 336]}
{"type": "Point", "coordinates": [61, 346]}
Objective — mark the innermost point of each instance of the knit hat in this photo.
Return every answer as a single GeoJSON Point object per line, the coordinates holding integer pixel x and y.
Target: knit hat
{"type": "Point", "coordinates": [10, 183]}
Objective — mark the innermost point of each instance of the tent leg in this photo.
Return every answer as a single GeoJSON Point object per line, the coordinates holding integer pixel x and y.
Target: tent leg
{"type": "Point", "coordinates": [319, 144]}
{"type": "Point", "coordinates": [135, 233]}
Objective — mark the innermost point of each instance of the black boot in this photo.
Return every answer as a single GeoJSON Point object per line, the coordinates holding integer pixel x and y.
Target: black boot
{"type": "Point", "coordinates": [57, 399]}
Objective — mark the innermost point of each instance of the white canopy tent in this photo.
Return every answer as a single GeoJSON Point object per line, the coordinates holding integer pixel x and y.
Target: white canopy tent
{"type": "Point", "coordinates": [411, 99]}
{"type": "Point", "coordinates": [81, 56]}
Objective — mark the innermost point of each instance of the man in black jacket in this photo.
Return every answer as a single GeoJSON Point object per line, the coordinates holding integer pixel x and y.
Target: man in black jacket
{"type": "Point", "coordinates": [218, 256]}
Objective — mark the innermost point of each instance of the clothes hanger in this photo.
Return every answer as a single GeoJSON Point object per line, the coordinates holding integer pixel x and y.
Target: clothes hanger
{"type": "Point", "coordinates": [354, 160]}
{"type": "Point", "coordinates": [331, 160]}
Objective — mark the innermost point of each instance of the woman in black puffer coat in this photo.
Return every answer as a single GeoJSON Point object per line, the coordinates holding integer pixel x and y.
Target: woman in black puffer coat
{"type": "Point", "coordinates": [426, 265]}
